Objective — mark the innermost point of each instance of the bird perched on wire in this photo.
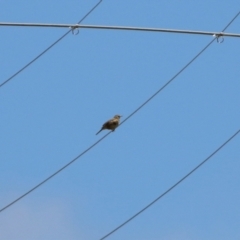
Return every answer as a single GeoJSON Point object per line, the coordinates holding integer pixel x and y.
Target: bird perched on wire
{"type": "Point", "coordinates": [111, 124]}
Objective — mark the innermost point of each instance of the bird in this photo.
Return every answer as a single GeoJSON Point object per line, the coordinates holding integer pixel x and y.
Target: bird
{"type": "Point", "coordinates": [111, 124]}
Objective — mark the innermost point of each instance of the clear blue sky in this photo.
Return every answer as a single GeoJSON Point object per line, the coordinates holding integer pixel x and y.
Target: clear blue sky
{"type": "Point", "coordinates": [52, 110]}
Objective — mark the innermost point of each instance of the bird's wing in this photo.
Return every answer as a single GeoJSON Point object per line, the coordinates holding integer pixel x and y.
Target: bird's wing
{"type": "Point", "coordinates": [107, 124]}
{"type": "Point", "coordinates": [110, 123]}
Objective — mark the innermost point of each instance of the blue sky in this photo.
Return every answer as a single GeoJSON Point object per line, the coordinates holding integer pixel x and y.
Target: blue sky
{"type": "Point", "coordinates": [51, 112]}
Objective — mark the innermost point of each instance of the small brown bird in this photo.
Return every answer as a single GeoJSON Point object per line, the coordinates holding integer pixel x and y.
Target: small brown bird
{"type": "Point", "coordinates": [111, 124]}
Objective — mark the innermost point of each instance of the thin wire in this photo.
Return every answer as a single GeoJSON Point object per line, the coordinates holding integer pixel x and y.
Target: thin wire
{"type": "Point", "coordinates": [167, 83]}
{"type": "Point", "coordinates": [102, 27]}
{"type": "Point", "coordinates": [172, 187]}
{"type": "Point", "coordinates": [47, 49]}
{"type": "Point", "coordinates": [51, 176]}
{"type": "Point", "coordinates": [80, 155]}
{"type": "Point", "coordinates": [231, 22]}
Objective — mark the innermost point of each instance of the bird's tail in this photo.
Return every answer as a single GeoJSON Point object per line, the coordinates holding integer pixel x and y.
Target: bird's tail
{"type": "Point", "coordinates": [98, 131]}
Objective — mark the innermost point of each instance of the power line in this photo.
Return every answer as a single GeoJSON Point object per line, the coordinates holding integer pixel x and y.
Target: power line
{"type": "Point", "coordinates": [93, 145]}
{"type": "Point", "coordinates": [172, 187]}
{"type": "Point", "coordinates": [54, 174]}
{"type": "Point", "coordinates": [47, 49]}
{"type": "Point", "coordinates": [77, 26]}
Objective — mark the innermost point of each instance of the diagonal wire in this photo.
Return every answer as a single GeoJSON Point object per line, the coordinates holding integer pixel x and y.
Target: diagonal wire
{"type": "Point", "coordinates": [168, 82]}
{"type": "Point", "coordinates": [231, 22]}
{"type": "Point", "coordinates": [173, 186]}
{"type": "Point", "coordinates": [51, 176]}
{"type": "Point", "coordinates": [93, 145]}
{"type": "Point", "coordinates": [47, 49]}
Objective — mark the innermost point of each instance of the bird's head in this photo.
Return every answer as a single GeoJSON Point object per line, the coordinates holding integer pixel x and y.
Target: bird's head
{"type": "Point", "coordinates": [117, 116]}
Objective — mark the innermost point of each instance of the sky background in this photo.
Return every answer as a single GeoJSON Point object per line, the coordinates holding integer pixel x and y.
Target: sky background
{"type": "Point", "coordinates": [51, 112]}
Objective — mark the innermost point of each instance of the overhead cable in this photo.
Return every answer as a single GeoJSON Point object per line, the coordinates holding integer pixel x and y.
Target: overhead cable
{"type": "Point", "coordinates": [172, 187]}
{"type": "Point", "coordinates": [126, 28]}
